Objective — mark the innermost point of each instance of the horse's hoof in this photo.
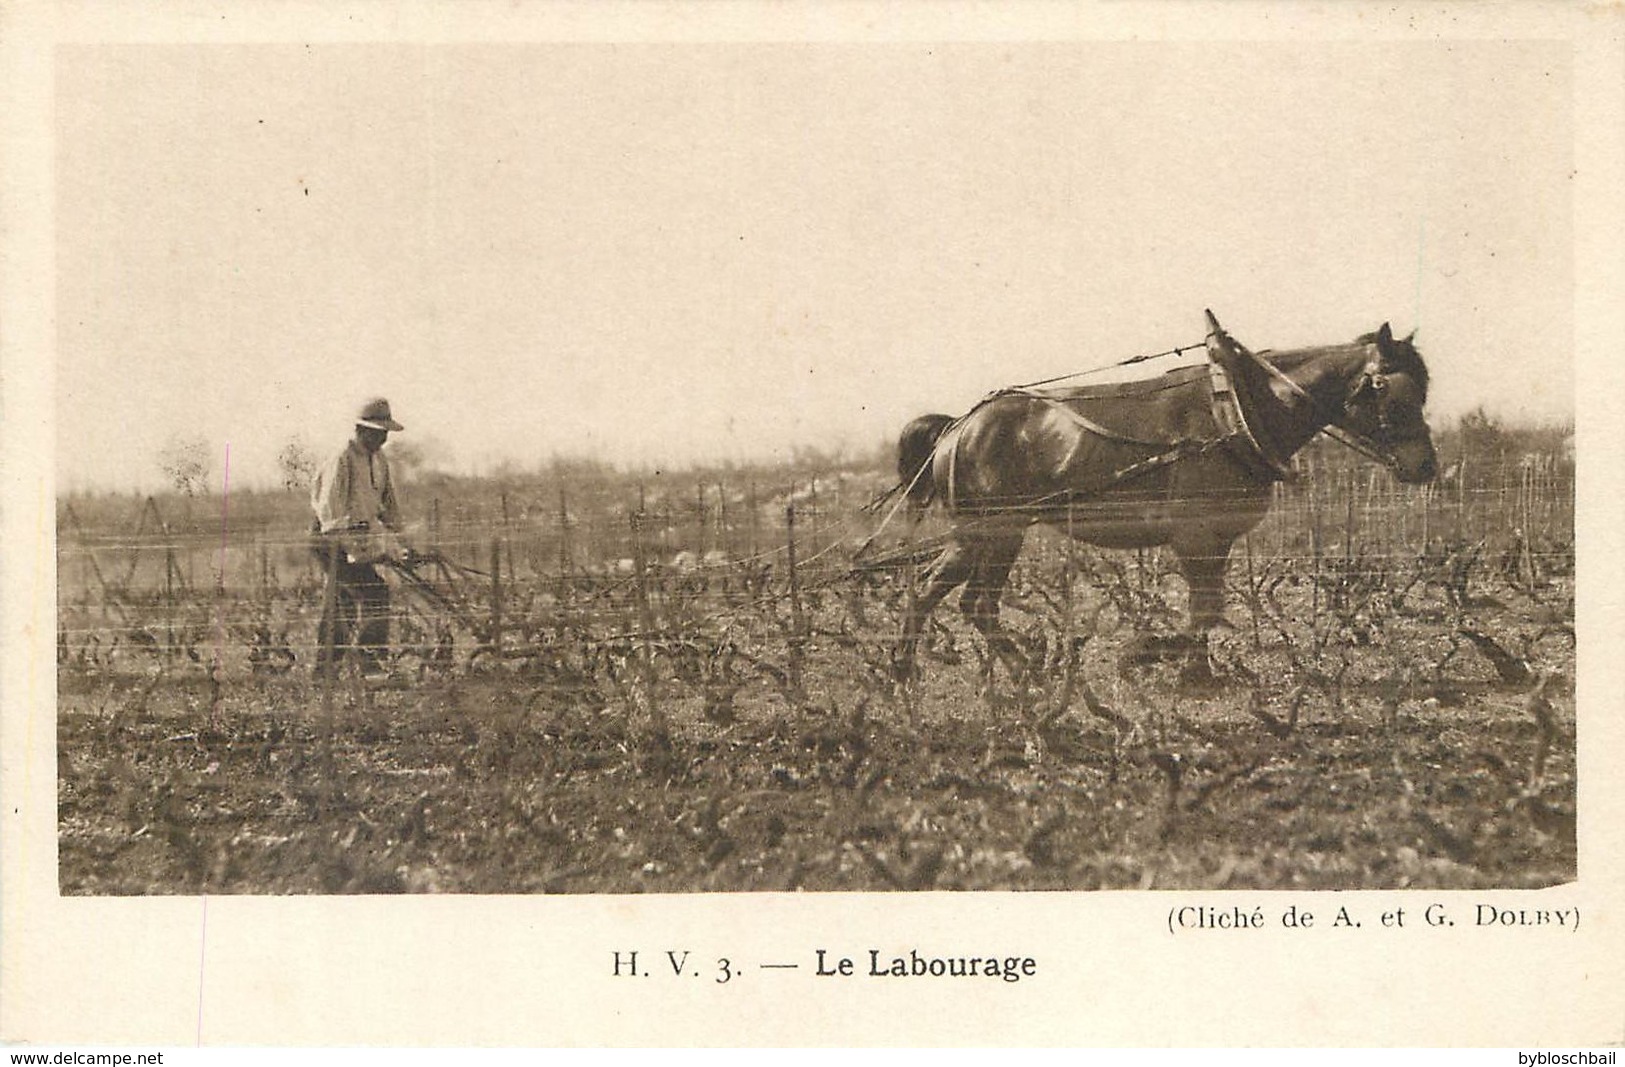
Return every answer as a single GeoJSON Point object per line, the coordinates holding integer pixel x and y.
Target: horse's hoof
{"type": "Point", "coordinates": [1151, 649]}
{"type": "Point", "coordinates": [1197, 677]}
{"type": "Point", "coordinates": [1140, 651]}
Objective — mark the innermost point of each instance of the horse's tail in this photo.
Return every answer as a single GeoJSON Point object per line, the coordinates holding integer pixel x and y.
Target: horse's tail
{"type": "Point", "coordinates": [915, 447]}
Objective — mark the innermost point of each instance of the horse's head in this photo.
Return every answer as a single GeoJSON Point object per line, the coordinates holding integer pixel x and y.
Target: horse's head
{"type": "Point", "coordinates": [1384, 405]}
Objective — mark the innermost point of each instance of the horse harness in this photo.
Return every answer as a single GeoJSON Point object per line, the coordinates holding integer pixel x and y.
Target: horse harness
{"type": "Point", "coordinates": [1228, 411]}
{"type": "Point", "coordinates": [1229, 417]}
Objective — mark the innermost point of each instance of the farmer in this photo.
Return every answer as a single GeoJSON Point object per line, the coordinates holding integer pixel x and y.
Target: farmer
{"type": "Point", "coordinates": [357, 526]}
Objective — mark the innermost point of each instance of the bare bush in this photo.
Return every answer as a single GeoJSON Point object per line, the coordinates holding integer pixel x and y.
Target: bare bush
{"type": "Point", "coordinates": [297, 463]}
{"type": "Point", "coordinates": [186, 463]}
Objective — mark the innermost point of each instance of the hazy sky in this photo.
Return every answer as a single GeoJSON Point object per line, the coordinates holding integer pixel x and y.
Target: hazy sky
{"type": "Point", "coordinates": [674, 252]}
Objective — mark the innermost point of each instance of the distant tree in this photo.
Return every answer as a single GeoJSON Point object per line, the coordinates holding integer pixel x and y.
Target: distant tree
{"type": "Point", "coordinates": [297, 463]}
{"type": "Point", "coordinates": [1483, 436]}
{"type": "Point", "coordinates": [579, 466]}
{"type": "Point", "coordinates": [1484, 450]}
{"type": "Point", "coordinates": [819, 458]}
{"type": "Point", "coordinates": [186, 463]}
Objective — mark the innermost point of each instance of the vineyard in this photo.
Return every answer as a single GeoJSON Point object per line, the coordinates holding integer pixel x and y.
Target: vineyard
{"type": "Point", "coordinates": [609, 682]}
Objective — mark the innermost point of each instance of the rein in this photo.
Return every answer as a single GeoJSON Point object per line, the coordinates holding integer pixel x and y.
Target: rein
{"type": "Point", "coordinates": [1129, 362]}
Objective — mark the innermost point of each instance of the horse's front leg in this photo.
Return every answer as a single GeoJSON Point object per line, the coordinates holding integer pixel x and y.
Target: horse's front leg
{"type": "Point", "coordinates": [1205, 576]}
{"type": "Point", "coordinates": [1203, 567]}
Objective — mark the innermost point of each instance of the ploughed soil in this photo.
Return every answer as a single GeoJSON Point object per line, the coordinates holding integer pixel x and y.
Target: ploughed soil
{"type": "Point", "coordinates": [1388, 752]}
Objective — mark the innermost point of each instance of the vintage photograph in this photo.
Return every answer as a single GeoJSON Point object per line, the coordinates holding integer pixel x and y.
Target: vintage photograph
{"type": "Point", "coordinates": [666, 524]}
{"type": "Point", "coordinates": [613, 468]}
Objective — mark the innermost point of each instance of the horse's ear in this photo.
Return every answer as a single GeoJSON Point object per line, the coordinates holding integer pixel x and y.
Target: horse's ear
{"type": "Point", "coordinates": [1410, 337]}
{"type": "Point", "coordinates": [1385, 340]}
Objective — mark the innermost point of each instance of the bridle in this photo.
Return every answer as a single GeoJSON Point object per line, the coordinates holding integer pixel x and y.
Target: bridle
{"type": "Point", "coordinates": [1373, 378]}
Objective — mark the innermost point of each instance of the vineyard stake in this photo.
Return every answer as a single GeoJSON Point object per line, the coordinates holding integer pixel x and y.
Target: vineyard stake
{"type": "Point", "coordinates": [910, 573]}
{"type": "Point", "coordinates": [169, 594]}
{"type": "Point", "coordinates": [1526, 488]}
{"type": "Point", "coordinates": [1461, 500]}
{"type": "Point", "coordinates": [755, 547]}
{"type": "Point", "coordinates": [1427, 506]}
{"type": "Point", "coordinates": [1370, 531]}
{"type": "Point", "coordinates": [134, 555]}
{"type": "Point", "coordinates": [796, 620]}
{"type": "Point", "coordinates": [724, 531]}
{"type": "Point", "coordinates": [191, 571]}
{"type": "Point", "coordinates": [1252, 589]}
{"type": "Point", "coordinates": [1070, 663]}
{"type": "Point", "coordinates": [72, 518]}
{"type": "Point", "coordinates": [812, 503]}
{"type": "Point", "coordinates": [564, 544]}
{"type": "Point", "coordinates": [496, 596]}
{"type": "Point", "coordinates": [657, 718]}
{"type": "Point", "coordinates": [699, 511]}
{"type": "Point", "coordinates": [218, 666]}
{"type": "Point", "coordinates": [1348, 520]}
{"type": "Point", "coordinates": [327, 663]}
{"type": "Point", "coordinates": [1314, 551]}
{"type": "Point", "coordinates": [1279, 503]}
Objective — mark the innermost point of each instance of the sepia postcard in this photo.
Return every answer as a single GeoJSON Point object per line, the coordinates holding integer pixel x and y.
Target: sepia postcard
{"type": "Point", "coordinates": [1049, 524]}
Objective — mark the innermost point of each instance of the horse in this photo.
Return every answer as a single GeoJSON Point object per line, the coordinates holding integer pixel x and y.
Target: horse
{"type": "Point", "coordinates": [1185, 459]}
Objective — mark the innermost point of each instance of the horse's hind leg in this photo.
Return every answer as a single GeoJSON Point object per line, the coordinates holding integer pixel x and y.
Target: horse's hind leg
{"type": "Point", "coordinates": [950, 569]}
{"type": "Point", "coordinates": [983, 591]}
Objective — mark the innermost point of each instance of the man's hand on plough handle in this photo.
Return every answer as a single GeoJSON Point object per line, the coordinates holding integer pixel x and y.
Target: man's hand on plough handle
{"type": "Point", "coordinates": [411, 559]}
{"type": "Point", "coordinates": [444, 596]}
{"type": "Point", "coordinates": [406, 564]}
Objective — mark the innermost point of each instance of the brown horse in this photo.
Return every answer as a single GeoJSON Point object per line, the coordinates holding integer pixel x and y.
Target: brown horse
{"type": "Point", "coordinates": [1184, 460]}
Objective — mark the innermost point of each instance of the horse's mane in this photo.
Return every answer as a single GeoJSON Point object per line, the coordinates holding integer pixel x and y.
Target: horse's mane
{"type": "Point", "coordinates": [1405, 359]}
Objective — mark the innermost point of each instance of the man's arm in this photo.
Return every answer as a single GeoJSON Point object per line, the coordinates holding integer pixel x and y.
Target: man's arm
{"type": "Point", "coordinates": [390, 515]}
{"type": "Point", "coordinates": [330, 495]}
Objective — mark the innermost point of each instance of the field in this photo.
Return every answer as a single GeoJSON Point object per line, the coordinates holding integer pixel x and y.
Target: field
{"type": "Point", "coordinates": [679, 682]}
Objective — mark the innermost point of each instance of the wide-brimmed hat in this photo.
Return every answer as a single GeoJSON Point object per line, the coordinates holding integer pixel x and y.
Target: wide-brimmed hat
{"type": "Point", "coordinates": [374, 414]}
